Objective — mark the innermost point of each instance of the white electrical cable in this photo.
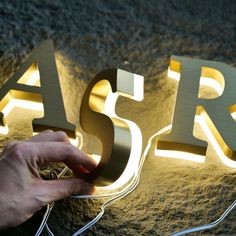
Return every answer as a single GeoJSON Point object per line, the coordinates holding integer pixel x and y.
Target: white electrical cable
{"type": "Point", "coordinates": [44, 220]}
{"type": "Point", "coordinates": [121, 194]}
{"type": "Point", "coordinates": [117, 195]}
{"type": "Point", "coordinates": [208, 226]}
{"type": "Point", "coordinates": [50, 206]}
{"type": "Point", "coordinates": [49, 231]}
{"type": "Point", "coordinates": [48, 210]}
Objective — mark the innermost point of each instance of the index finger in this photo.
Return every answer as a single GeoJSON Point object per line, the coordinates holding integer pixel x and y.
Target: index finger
{"type": "Point", "coordinates": [46, 152]}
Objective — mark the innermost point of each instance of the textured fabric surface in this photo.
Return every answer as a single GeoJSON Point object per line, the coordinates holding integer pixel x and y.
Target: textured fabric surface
{"type": "Point", "coordinates": [137, 36]}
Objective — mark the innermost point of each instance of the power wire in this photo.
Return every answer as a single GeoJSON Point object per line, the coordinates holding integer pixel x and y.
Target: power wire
{"type": "Point", "coordinates": [121, 194]}
{"type": "Point", "coordinates": [207, 226]}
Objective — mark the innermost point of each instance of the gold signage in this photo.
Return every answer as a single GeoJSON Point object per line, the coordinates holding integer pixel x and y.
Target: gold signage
{"type": "Point", "coordinates": [36, 86]}
{"type": "Point", "coordinates": [216, 115]}
{"type": "Point", "coordinates": [121, 139]}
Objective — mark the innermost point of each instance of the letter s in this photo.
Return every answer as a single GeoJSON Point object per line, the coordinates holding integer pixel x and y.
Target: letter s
{"type": "Point", "coordinates": [121, 139]}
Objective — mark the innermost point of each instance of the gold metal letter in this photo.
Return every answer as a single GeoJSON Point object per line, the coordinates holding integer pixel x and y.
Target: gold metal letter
{"type": "Point", "coordinates": [20, 90]}
{"type": "Point", "coordinates": [217, 112]}
{"type": "Point", "coordinates": [121, 139]}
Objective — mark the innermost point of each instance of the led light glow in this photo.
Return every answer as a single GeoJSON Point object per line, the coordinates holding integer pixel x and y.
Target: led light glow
{"type": "Point", "coordinates": [95, 157]}
{"type": "Point", "coordinates": [233, 114]}
{"type": "Point", "coordinates": [20, 99]}
{"type": "Point", "coordinates": [34, 79]}
{"type": "Point", "coordinates": [38, 106]}
{"type": "Point", "coordinates": [180, 155]}
{"type": "Point", "coordinates": [122, 144]}
{"type": "Point", "coordinates": [194, 157]}
{"type": "Point", "coordinates": [204, 81]}
{"type": "Point", "coordinates": [30, 78]}
{"type": "Point", "coordinates": [4, 129]}
{"type": "Point", "coordinates": [210, 138]}
{"type": "Point", "coordinates": [75, 141]}
{"type": "Point", "coordinates": [136, 146]}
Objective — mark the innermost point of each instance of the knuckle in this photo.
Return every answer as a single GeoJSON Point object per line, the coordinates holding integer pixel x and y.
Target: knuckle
{"type": "Point", "coordinates": [68, 151]}
{"type": "Point", "coordinates": [62, 136]}
{"type": "Point", "coordinates": [18, 148]}
{"type": "Point", "coordinates": [48, 131]}
{"type": "Point", "coordinates": [72, 189]}
{"type": "Point", "coordinates": [9, 145]}
{"type": "Point", "coordinates": [39, 202]}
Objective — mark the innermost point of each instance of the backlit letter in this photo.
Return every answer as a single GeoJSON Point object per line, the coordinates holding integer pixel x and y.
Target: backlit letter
{"type": "Point", "coordinates": [217, 113]}
{"type": "Point", "coordinates": [20, 90]}
{"type": "Point", "coordinates": [121, 139]}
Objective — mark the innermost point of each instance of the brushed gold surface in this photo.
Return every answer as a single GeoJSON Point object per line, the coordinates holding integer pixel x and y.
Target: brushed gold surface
{"type": "Point", "coordinates": [216, 112]}
{"type": "Point", "coordinates": [48, 93]}
{"type": "Point", "coordinates": [113, 132]}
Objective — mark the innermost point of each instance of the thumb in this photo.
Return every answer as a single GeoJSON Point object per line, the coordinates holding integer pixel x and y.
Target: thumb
{"type": "Point", "coordinates": [53, 190]}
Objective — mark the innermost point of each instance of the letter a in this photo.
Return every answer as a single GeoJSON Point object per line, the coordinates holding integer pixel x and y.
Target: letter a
{"type": "Point", "coordinates": [48, 93]}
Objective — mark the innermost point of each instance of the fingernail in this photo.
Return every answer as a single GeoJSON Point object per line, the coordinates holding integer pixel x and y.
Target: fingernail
{"type": "Point", "coordinates": [83, 170]}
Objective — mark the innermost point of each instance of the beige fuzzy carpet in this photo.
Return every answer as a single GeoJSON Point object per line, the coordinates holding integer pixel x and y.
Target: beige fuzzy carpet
{"type": "Point", "coordinates": [138, 36]}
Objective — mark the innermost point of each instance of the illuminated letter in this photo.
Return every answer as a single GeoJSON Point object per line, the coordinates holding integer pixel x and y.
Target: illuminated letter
{"type": "Point", "coordinates": [121, 139]}
{"type": "Point", "coordinates": [20, 90]}
{"type": "Point", "coordinates": [217, 112]}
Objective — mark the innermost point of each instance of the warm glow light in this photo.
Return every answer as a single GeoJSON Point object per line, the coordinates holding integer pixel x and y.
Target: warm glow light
{"type": "Point", "coordinates": [4, 130]}
{"type": "Point", "coordinates": [122, 146]}
{"type": "Point", "coordinates": [180, 155]}
{"type": "Point", "coordinates": [31, 101]}
{"type": "Point", "coordinates": [233, 115]}
{"type": "Point", "coordinates": [200, 120]}
{"type": "Point", "coordinates": [204, 81]}
{"type": "Point", "coordinates": [214, 143]}
{"type": "Point", "coordinates": [14, 102]}
{"type": "Point", "coordinates": [173, 74]}
{"type": "Point", "coordinates": [136, 147]}
{"type": "Point", "coordinates": [96, 158]}
{"type": "Point", "coordinates": [38, 106]}
{"type": "Point", "coordinates": [209, 82]}
{"type": "Point", "coordinates": [177, 154]}
{"type": "Point", "coordinates": [74, 142]}
{"type": "Point", "coordinates": [138, 87]}
{"type": "Point", "coordinates": [34, 78]}
{"type": "Point", "coordinates": [194, 157]}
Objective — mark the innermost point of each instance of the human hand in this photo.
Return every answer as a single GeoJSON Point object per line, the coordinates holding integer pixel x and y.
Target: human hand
{"type": "Point", "coordinates": [22, 191]}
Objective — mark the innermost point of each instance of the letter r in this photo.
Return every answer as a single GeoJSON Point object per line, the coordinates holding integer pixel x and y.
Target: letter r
{"type": "Point", "coordinates": [216, 112]}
